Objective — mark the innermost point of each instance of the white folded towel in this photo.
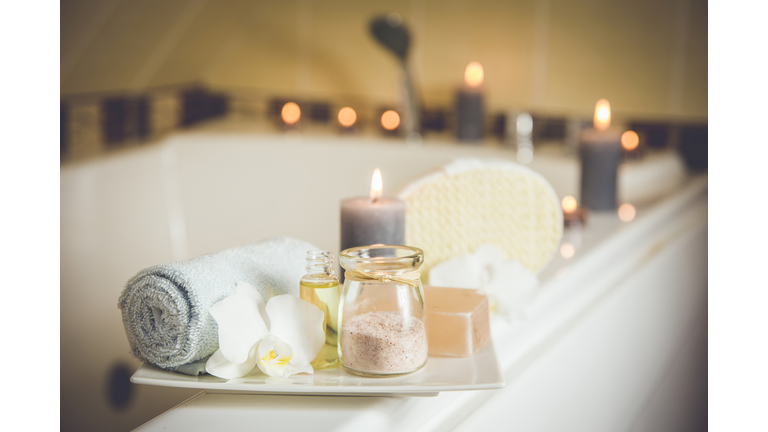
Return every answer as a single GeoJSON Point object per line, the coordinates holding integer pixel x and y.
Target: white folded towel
{"type": "Point", "coordinates": [165, 307]}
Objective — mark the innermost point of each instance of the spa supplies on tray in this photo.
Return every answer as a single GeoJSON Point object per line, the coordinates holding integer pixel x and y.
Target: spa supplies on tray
{"type": "Point", "coordinates": [165, 308]}
{"type": "Point", "coordinates": [381, 313]}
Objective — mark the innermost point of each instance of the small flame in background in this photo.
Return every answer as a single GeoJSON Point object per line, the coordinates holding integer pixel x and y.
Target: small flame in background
{"type": "Point", "coordinates": [291, 113]}
{"type": "Point", "coordinates": [473, 74]}
{"type": "Point", "coordinates": [569, 204]}
{"type": "Point", "coordinates": [602, 120]}
{"type": "Point", "coordinates": [347, 117]}
{"type": "Point", "coordinates": [377, 187]}
{"type": "Point", "coordinates": [390, 120]}
{"type": "Point", "coordinates": [627, 212]}
{"type": "Point", "coordinates": [630, 140]}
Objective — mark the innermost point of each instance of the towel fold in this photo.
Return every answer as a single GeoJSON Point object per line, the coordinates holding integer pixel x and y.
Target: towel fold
{"type": "Point", "coordinates": [165, 307]}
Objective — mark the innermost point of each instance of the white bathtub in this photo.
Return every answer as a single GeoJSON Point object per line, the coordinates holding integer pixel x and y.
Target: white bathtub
{"type": "Point", "coordinates": [201, 192]}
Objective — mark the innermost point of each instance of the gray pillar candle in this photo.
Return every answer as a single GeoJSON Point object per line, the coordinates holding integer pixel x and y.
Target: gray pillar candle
{"type": "Point", "coordinates": [365, 222]}
{"type": "Point", "coordinates": [470, 115]}
{"type": "Point", "coordinates": [600, 153]}
{"type": "Point", "coordinates": [470, 108]}
{"type": "Point", "coordinates": [372, 220]}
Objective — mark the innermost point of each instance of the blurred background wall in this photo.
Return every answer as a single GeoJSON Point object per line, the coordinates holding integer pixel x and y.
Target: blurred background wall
{"type": "Point", "coordinates": [550, 57]}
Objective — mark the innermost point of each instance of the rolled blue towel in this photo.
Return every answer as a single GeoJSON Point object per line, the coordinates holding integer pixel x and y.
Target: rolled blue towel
{"type": "Point", "coordinates": [165, 307]}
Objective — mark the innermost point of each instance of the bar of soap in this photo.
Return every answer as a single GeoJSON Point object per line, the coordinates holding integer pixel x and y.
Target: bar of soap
{"type": "Point", "coordinates": [458, 320]}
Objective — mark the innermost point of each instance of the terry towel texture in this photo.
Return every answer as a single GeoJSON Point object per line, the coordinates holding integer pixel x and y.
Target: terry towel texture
{"type": "Point", "coordinates": [165, 307]}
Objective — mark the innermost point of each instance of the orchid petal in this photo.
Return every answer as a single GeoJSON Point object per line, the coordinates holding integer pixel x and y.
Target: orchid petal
{"type": "Point", "coordinates": [299, 324]}
{"type": "Point", "coordinates": [219, 366]}
{"type": "Point", "coordinates": [240, 322]}
{"type": "Point", "coordinates": [296, 369]}
{"type": "Point", "coordinates": [273, 356]}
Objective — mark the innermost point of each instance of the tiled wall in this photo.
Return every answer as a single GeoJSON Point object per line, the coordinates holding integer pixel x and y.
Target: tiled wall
{"type": "Point", "coordinates": [649, 58]}
{"type": "Point", "coordinates": [127, 68]}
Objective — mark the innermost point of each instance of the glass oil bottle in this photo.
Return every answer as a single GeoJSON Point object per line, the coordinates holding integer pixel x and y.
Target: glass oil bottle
{"type": "Point", "coordinates": [321, 288]}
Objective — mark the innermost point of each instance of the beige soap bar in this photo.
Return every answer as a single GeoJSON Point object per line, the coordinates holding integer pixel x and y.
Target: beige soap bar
{"type": "Point", "coordinates": [458, 320]}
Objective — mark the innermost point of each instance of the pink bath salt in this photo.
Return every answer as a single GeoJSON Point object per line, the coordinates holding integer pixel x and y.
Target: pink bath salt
{"type": "Point", "coordinates": [384, 342]}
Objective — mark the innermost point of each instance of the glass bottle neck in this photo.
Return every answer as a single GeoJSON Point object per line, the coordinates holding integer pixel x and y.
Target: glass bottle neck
{"type": "Point", "coordinates": [320, 264]}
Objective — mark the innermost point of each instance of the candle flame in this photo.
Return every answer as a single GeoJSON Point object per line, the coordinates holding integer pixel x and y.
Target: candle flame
{"type": "Point", "coordinates": [567, 250]}
{"type": "Point", "coordinates": [627, 212]}
{"type": "Point", "coordinates": [473, 74]}
{"type": "Point", "coordinates": [291, 113]}
{"type": "Point", "coordinates": [630, 140]}
{"type": "Point", "coordinates": [390, 120]}
{"type": "Point", "coordinates": [347, 117]}
{"type": "Point", "coordinates": [569, 204]}
{"type": "Point", "coordinates": [602, 118]}
{"type": "Point", "coordinates": [377, 186]}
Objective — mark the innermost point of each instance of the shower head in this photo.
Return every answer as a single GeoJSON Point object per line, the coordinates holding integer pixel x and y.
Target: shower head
{"type": "Point", "coordinates": [390, 32]}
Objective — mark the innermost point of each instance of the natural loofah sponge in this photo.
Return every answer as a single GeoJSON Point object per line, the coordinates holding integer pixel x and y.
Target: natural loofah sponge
{"type": "Point", "coordinates": [472, 202]}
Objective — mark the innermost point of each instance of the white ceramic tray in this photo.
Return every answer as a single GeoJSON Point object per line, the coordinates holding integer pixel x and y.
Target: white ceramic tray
{"type": "Point", "coordinates": [478, 372]}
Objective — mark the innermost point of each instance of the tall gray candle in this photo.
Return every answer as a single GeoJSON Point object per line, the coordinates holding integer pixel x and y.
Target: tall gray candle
{"type": "Point", "coordinates": [470, 108]}
{"type": "Point", "coordinates": [600, 153]}
{"type": "Point", "coordinates": [372, 220]}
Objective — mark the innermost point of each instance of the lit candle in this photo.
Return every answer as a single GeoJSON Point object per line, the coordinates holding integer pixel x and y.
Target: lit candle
{"type": "Point", "coordinates": [291, 113]}
{"type": "Point", "coordinates": [373, 219]}
{"type": "Point", "coordinates": [600, 152]}
{"type": "Point", "coordinates": [572, 214]}
{"type": "Point", "coordinates": [630, 141]}
{"type": "Point", "coordinates": [390, 121]}
{"type": "Point", "coordinates": [470, 109]}
{"type": "Point", "coordinates": [347, 119]}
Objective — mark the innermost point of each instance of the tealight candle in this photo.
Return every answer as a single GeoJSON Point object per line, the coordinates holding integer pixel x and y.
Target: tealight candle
{"type": "Point", "coordinates": [600, 152]}
{"type": "Point", "coordinates": [390, 121]}
{"type": "Point", "coordinates": [572, 214]}
{"type": "Point", "coordinates": [290, 114]}
{"type": "Point", "coordinates": [470, 109]}
{"type": "Point", "coordinates": [347, 120]}
{"type": "Point", "coordinates": [373, 219]}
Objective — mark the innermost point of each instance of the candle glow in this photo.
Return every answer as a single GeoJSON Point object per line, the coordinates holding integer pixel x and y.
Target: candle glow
{"type": "Point", "coordinates": [390, 120]}
{"type": "Point", "coordinates": [569, 204]}
{"type": "Point", "coordinates": [291, 113]}
{"type": "Point", "coordinates": [567, 250]}
{"type": "Point", "coordinates": [377, 186]}
{"type": "Point", "coordinates": [602, 120]}
{"type": "Point", "coordinates": [473, 74]}
{"type": "Point", "coordinates": [630, 140]}
{"type": "Point", "coordinates": [627, 212]}
{"type": "Point", "coordinates": [347, 117]}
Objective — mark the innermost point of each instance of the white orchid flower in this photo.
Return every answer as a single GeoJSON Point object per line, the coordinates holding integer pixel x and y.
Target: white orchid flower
{"type": "Point", "coordinates": [281, 337]}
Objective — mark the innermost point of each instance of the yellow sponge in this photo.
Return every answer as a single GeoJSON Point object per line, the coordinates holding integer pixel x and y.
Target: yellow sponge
{"type": "Point", "coordinates": [471, 202]}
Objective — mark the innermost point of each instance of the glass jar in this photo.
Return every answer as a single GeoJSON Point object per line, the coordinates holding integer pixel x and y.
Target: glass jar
{"type": "Point", "coordinates": [382, 319]}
